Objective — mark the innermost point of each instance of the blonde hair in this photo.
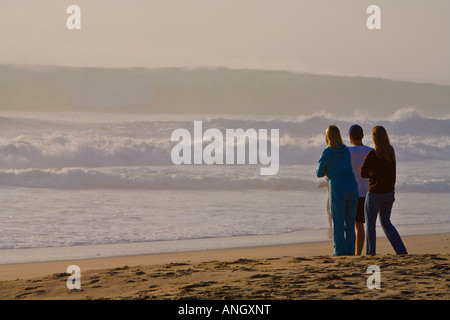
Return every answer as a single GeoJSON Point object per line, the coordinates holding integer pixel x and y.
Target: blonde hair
{"type": "Point", "coordinates": [333, 136]}
{"type": "Point", "coordinates": [383, 148]}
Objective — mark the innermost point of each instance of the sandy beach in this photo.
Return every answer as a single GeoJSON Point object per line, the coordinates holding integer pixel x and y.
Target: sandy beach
{"type": "Point", "coordinates": [286, 272]}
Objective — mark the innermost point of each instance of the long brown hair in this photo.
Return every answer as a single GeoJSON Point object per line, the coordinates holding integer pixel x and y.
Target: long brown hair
{"type": "Point", "coordinates": [383, 148]}
{"type": "Point", "coordinates": [333, 136]}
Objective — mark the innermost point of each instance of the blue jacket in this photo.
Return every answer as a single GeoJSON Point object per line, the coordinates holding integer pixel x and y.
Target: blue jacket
{"type": "Point", "coordinates": [335, 163]}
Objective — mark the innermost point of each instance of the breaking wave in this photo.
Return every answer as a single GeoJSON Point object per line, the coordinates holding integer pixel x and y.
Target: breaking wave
{"type": "Point", "coordinates": [36, 143]}
{"type": "Point", "coordinates": [237, 178]}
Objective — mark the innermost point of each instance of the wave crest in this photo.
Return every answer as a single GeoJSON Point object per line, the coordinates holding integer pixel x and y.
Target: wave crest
{"type": "Point", "coordinates": [179, 178]}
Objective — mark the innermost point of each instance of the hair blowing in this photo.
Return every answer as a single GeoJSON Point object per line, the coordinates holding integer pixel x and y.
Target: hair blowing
{"type": "Point", "coordinates": [383, 148]}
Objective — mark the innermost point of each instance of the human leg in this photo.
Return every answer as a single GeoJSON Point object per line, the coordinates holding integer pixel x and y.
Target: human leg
{"type": "Point", "coordinates": [359, 226]}
{"type": "Point", "coordinates": [330, 219]}
{"type": "Point", "coordinates": [388, 228]}
{"type": "Point", "coordinates": [360, 237]}
{"type": "Point", "coordinates": [371, 209]}
{"type": "Point", "coordinates": [337, 205]}
{"type": "Point", "coordinates": [350, 214]}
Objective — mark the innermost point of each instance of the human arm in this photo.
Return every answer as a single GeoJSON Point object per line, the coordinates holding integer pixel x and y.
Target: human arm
{"type": "Point", "coordinates": [323, 184]}
{"type": "Point", "coordinates": [323, 165]}
{"type": "Point", "coordinates": [366, 169]}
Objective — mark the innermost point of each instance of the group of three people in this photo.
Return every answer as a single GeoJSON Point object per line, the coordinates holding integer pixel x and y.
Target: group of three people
{"type": "Point", "coordinates": [361, 187]}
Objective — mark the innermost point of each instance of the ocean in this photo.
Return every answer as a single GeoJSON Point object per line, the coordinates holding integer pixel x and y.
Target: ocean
{"type": "Point", "coordinates": [84, 179]}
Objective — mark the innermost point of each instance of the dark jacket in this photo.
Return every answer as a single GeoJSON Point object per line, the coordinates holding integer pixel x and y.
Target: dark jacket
{"type": "Point", "coordinates": [384, 173]}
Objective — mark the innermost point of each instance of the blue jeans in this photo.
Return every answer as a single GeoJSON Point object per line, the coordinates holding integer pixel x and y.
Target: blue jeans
{"type": "Point", "coordinates": [381, 203]}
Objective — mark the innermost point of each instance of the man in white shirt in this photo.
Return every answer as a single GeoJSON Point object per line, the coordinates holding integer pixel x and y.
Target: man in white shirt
{"type": "Point", "coordinates": [358, 153]}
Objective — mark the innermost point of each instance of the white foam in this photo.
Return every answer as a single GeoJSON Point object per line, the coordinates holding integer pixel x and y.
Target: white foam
{"type": "Point", "coordinates": [44, 144]}
{"type": "Point", "coordinates": [186, 178]}
{"type": "Point", "coordinates": [112, 180]}
{"type": "Point", "coordinates": [26, 255]}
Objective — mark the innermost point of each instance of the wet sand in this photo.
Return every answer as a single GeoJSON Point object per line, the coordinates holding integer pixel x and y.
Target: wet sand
{"type": "Point", "coordinates": [287, 272]}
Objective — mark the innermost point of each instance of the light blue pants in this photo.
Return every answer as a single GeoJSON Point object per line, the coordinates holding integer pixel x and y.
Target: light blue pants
{"type": "Point", "coordinates": [381, 203]}
{"type": "Point", "coordinates": [344, 203]}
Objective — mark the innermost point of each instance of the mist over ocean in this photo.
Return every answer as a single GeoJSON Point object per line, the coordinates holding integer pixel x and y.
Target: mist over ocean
{"type": "Point", "coordinates": [211, 91]}
{"type": "Point", "coordinates": [95, 167]}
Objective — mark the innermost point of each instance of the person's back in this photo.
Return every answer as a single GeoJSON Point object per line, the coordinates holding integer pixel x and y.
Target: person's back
{"type": "Point", "coordinates": [335, 164]}
{"type": "Point", "coordinates": [383, 171]}
{"type": "Point", "coordinates": [358, 154]}
{"type": "Point", "coordinates": [380, 166]}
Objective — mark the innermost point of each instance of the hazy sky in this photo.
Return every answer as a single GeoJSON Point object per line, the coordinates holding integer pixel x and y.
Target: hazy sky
{"type": "Point", "coordinates": [315, 36]}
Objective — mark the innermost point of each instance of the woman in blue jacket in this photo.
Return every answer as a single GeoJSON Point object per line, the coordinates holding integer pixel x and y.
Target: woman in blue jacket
{"type": "Point", "coordinates": [336, 165]}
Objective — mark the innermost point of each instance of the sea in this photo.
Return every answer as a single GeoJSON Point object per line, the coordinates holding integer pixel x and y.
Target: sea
{"type": "Point", "coordinates": [88, 184]}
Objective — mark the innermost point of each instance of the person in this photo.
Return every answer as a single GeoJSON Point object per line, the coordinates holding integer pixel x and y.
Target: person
{"type": "Point", "coordinates": [358, 152]}
{"type": "Point", "coordinates": [380, 167]}
{"type": "Point", "coordinates": [335, 164]}
{"type": "Point", "coordinates": [325, 184]}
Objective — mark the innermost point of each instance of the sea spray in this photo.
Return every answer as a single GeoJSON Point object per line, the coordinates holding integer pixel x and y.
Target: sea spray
{"type": "Point", "coordinates": [213, 153]}
{"type": "Point", "coordinates": [32, 141]}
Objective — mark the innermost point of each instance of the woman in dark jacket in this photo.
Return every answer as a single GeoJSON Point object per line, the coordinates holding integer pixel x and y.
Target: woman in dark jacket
{"type": "Point", "coordinates": [380, 167]}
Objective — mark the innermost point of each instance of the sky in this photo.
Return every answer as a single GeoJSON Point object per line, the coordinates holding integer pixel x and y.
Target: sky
{"type": "Point", "coordinates": [313, 36]}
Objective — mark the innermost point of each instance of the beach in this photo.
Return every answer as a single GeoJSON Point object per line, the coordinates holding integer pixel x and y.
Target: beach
{"type": "Point", "coordinates": [111, 202]}
{"type": "Point", "coordinates": [192, 150]}
{"type": "Point", "coordinates": [304, 271]}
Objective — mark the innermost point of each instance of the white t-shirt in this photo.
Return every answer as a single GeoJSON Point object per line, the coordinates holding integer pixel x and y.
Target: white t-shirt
{"type": "Point", "coordinates": [358, 154]}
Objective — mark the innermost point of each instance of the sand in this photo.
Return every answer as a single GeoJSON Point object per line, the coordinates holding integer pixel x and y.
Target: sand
{"type": "Point", "coordinates": [284, 272]}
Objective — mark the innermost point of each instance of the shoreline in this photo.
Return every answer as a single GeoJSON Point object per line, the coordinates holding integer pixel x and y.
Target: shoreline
{"type": "Point", "coordinates": [94, 251]}
{"type": "Point", "coordinates": [289, 271]}
{"type": "Point", "coordinates": [438, 243]}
